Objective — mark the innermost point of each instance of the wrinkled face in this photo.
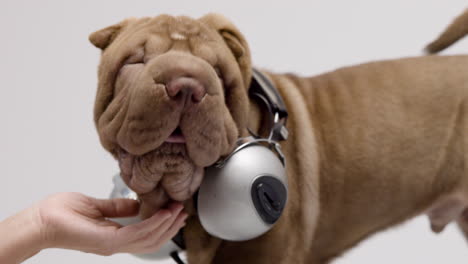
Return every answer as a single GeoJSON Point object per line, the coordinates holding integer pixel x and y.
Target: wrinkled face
{"type": "Point", "coordinates": [172, 99]}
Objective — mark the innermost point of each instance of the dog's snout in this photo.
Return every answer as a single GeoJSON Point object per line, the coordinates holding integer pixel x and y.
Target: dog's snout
{"type": "Point", "coordinates": [186, 88]}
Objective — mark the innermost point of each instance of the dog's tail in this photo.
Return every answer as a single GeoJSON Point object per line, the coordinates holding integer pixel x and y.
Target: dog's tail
{"type": "Point", "coordinates": [455, 31]}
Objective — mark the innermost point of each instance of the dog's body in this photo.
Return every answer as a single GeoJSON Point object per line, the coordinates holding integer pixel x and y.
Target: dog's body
{"type": "Point", "coordinates": [370, 146]}
{"type": "Point", "coordinates": [392, 144]}
{"type": "Point", "coordinates": [390, 141]}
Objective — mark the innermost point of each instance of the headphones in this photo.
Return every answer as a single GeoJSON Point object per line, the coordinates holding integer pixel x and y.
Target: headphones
{"type": "Point", "coordinates": [243, 195]}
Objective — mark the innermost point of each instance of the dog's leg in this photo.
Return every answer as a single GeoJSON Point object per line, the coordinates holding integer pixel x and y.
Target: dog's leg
{"type": "Point", "coordinates": [463, 223]}
{"type": "Point", "coordinates": [446, 210]}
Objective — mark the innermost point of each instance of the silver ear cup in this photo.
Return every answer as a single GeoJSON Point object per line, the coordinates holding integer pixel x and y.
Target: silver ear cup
{"type": "Point", "coordinates": [226, 200]}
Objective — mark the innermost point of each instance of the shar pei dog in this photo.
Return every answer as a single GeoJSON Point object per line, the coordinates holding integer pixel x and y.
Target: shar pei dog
{"type": "Point", "coordinates": [370, 146]}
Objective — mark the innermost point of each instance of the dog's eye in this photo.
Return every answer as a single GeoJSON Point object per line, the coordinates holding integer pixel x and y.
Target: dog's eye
{"type": "Point", "coordinates": [137, 57]}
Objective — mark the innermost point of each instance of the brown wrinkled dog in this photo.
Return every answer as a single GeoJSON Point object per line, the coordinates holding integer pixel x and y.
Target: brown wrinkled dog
{"type": "Point", "coordinates": [370, 146]}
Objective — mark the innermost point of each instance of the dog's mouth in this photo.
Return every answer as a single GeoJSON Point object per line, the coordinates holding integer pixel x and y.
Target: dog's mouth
{"type": "Point", "coordinates": [176, 136]}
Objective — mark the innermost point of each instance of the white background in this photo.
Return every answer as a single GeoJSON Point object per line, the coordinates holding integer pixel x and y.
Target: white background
{"type": "Point", "coordinates": [48, 79]}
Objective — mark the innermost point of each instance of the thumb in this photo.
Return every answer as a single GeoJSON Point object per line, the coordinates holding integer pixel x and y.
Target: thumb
{"type": "Point", "coordinates": [118, 207]}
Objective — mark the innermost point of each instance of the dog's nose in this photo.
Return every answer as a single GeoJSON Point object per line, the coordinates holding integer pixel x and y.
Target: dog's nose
{"type": "Point", "coordinates": [186, 88]}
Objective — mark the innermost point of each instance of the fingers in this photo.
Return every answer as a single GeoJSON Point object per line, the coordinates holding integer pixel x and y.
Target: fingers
{"type": "Point", "coordinates": [170, 233]}
{"type": "Point", "coordinates": [108, 240]}
{"type": "Point", "coordinates": [82, 227]}
{"type": "Point", "coordinates": [167, 231]}
{"type": "Point", "coordinates": [156, 231]}
{"type": "Point", "coordinates": [116, 207]}
{"type": "Point", "coordinates": [139, 229]}
{"type": "Point", "coordinates": [176, 210]}
{"type": "Point", "coordinates": [149, 235]}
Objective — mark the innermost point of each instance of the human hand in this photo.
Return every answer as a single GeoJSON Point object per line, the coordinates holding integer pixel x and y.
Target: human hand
{"type": "Point", "coordinates": [75, 221]}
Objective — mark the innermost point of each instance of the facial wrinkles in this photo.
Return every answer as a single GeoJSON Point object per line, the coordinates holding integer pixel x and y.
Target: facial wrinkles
{"type": "Point", "coordinates": [187, 34]}
{"type": "Point", "coordinates": [167, 163]}
{"type": "Point", "coordinates": [156, 45]}
{"type": "Point", "coordinates": [128, 77]}
{"type": "Point", "coordinates": [112, 119]}
{"type": "Point", "coordinates": [184, 26]}
{"type": "Point", "coordinates": [172, 169]}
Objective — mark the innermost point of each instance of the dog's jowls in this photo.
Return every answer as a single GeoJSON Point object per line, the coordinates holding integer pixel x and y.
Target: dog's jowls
{"type": "Point", "coordinates": [161, 103]}
{"type": "Point", "coordinates": [370, 146]}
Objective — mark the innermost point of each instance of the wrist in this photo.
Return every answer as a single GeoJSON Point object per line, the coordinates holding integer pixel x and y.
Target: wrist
{"type": "Point", "coordinates": [32, 230]}
{"type": "Point", "coordinates": [23, 235]}
{"type": "Point", "coordinates": [39, 229]}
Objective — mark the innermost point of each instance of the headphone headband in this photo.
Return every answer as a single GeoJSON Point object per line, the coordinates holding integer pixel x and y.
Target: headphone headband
{"type": "Point", "coordinates": [250, 141]}
{"type": "Point", "coordinates": [263, 89]}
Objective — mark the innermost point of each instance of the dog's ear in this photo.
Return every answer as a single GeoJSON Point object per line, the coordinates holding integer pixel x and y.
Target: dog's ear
{"type": "Point", "coordinates": [104, 37]}
{"type": "Point", "coordinates": [234, 40]}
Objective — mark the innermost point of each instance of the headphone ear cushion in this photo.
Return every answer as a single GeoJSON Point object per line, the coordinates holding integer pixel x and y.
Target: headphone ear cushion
{"type": "Point", "coordinates": [269, 197]}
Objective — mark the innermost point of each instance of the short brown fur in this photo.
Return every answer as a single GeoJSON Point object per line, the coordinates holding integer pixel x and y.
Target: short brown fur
{"type": "Point", "coordinates": [370, 146]}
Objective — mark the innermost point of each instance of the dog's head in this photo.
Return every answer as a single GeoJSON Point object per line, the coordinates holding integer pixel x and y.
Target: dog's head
{"type": "Point", "coordinates": [171, 100]}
